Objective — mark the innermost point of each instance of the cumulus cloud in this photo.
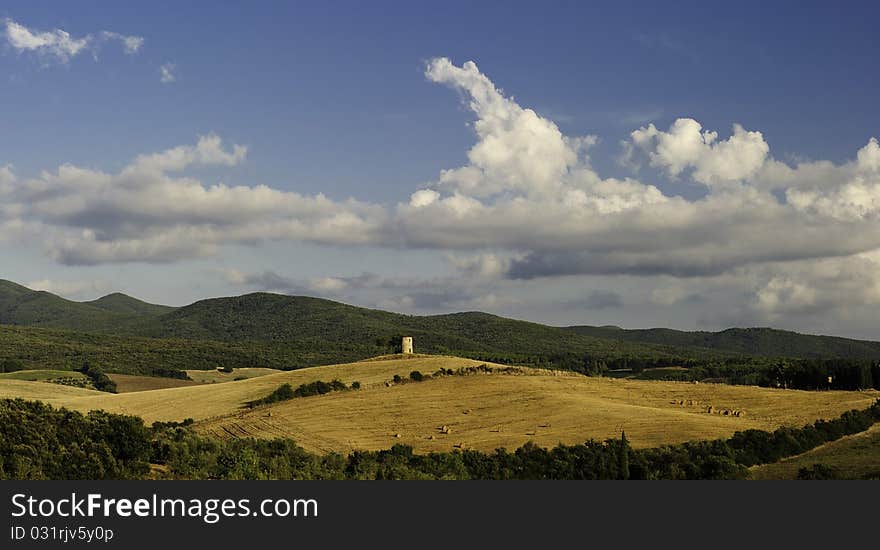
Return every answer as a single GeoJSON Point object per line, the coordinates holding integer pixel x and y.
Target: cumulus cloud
{"type": "Point", "coordinates": [166, 73]}
{"type": "Point", "coordinates": [686, 146]}
{"type": "Point", "coordinates": [529, 193]}
{"type": "Point", "coordinates": [526, 204]}
{"type": "Point", "coordinates": [59, 45]}
{"type": "Point", "coordinates": [823, 285]}
{"type": "Point", "coordinates": [146, 213]}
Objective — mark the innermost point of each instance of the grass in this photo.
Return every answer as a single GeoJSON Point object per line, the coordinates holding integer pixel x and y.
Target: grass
{"type": "Point", "coordinates": [41, 391]}
{"type": "Point", "coordinates": [851, 457]}
{"type": "Point", "coordinates": [215, 376]}
{"type": "Point", "coordinates": [484, 411]}
{"type": "Point", "coordinates": [41, 374]}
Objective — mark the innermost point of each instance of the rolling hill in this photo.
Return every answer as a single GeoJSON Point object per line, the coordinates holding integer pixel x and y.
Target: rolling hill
{"type": "Point", "coordinates": [124, 304]}
{"type": "Point", "coordinates": [22, 306]}
{"type": "Point", "coordinates": [263, 330]}
{"type": "Point", "coordinates": [758, 341]}
{"type": "Point", "coordinates": [482, 411]}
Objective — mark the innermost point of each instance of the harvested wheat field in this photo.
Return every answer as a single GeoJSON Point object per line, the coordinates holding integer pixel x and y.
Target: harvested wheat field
{"type": "Point", "coordinates": [209, 400]}
{"type": "Point", "coordinates": [216, 376]}
{"type": "Point", "coordinates": [479, 411]}
{"type": "Point", "coordinates": [43, 391]}
{"type": "Point", "coordinates": [488, 411]}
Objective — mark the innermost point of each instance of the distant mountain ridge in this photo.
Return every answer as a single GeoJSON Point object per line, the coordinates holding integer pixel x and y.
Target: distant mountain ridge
{"type": "Point", "coordinates": [760, 341]}
{"type": "Point", "coordinates": [327, 328]}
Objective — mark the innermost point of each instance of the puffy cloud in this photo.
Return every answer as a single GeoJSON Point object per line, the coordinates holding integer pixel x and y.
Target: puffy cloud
{"type": "Point", "coordinates": [685, 146]}
{"type": "Point", "coordinates": [61, 45]}
{"type": "Point", "coordinates": [823, 285]}
{"type": "Point", "coordinates": [527, 204]}
{"type": "Point", "coordinates": [517, 149]}
{"type": "Point", "coordinates": [488, 266]}
{"type": "Point", "coordinates": [166, 73]}
{"type": "Point", "coordinates": [57, 43]}
{"type": "Point", "coordinates": [143, 213]}
{"type": "Point", "coordinates": [846, 193]}
{"type": "Point", "coordinates": [529, 194]}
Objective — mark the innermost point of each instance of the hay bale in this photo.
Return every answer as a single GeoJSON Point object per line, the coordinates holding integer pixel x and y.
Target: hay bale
{"type": "Point", "coordinates": [397, 436]}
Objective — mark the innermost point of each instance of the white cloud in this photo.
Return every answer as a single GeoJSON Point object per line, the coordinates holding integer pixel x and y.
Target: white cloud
{"type": "Point", "coordinates": [848, 193]}
{"type": "Point", "coordinates": [60, 45]}
{"type": "Point", "coordinates": [143, 213]}
{"type": "Point", "coordinates": [57, 43]}
{"type": "Point", "coordinates": [130, 44]}
{"type": "Point", "coordinates": [526, 204]}
{"type": "Point", "coordinates": [686, 146]}
{"type": "Point", "coordinates": [166, 73]}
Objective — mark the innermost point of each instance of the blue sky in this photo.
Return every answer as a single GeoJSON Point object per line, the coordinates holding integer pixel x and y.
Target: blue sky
{"type": "Point", "coordinates": [333, 98]}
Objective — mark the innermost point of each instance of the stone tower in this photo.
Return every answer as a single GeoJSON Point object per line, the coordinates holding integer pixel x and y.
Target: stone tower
{"type": "Point", "coordinates": [406, 344]}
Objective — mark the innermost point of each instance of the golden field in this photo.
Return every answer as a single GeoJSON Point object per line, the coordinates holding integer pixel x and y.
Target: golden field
{"type": "Point", "coordinates": [481, 411]}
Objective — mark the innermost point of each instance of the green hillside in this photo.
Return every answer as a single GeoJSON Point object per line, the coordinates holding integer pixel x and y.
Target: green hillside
{"type": "Point", "coordinates": [22, 306]}
{"type": "Point", "coordinates": [123, 334]}
{"type": "Point", "coordinates": [765, 342]}
{"type": "Point", "coordinates": [325, 325]}
{"type": "Point", "coordinates": [121, 303]}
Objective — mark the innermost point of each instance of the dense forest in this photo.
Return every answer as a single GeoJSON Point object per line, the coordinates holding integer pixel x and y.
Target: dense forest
{"type": "Point", "coordinates": [38, 441]}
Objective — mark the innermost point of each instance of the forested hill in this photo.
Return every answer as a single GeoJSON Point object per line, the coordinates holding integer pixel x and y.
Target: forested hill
{"type": "Point", "coordinates": [20, 305]}
{"type": "Point", "coordinates": [323, 329]}
{"type": "Point", "coordinates": [325, 323]}
{"type": "Point", "coordinates": [766, 342]}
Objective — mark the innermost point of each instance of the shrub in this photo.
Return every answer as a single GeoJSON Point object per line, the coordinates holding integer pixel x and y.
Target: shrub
{"type": "Point", "coordinates": [228, 369]}
{"type": "Point", "coordinates": [355, 385]}
{"type": "Point", "coordinates": [817, 471]}
{"type": "Point", "coordinates": [416, 376]}
{"type": "Point", "coordinates": [101, 381]}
